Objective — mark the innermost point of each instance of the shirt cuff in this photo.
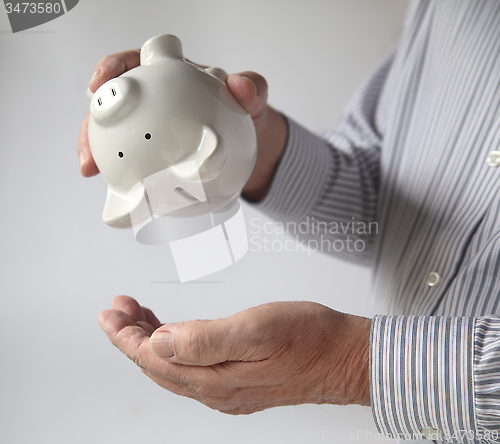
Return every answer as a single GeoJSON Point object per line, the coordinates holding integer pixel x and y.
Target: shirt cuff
{"type": "Point", "coordinates": [421, 378]}
{"type": "Point", "coordinates": [487, 377]}
{"type": "Point", "coordinates": [300, 177]}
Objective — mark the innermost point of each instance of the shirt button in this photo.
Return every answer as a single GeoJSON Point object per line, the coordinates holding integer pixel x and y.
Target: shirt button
{"type": "Point", "coordinates": [433, 279]}
{"type": "Point", "coordinates": [493, 159]}
{"type": "Point", "coordinates": [431, 434]}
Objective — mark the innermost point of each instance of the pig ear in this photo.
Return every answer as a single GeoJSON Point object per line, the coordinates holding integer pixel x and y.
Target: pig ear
{"type": "Point", "coordinates": [160, 49]}
{"type": "Point", "coordinates": [206, 162]}
{"type": "Point", "coordinates": [118, 207]}
{"type": "Point", "coordinates": [114, 100]}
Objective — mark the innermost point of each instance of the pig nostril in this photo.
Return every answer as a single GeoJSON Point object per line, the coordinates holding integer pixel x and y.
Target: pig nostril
{"type": "Point", "coordinates": [147, 136]}
{"type": "Point", "coordinates": [120, 154]}
{"type": "Point", "coordinates": [99, 101]}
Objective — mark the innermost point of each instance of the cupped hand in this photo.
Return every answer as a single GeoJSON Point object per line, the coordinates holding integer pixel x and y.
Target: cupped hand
{"type": "Point", "coordinates": [276, 354]}
{"type": "Point", "coordinates": [249, 89]}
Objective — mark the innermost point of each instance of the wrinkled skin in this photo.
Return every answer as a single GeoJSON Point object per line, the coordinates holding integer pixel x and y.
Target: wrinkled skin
{"type": "Point", "coordinates": [281, 353]}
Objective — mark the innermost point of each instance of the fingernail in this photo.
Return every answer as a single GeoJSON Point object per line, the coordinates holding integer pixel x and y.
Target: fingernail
{"type": "Point", "coordinates": [82, 159]}
{"type": "Point", "coordinates": [160, 344]}
{"type": "Point", "coordinates": [97, 72]}
{"type": "Point", "coordinates": [253, 84]}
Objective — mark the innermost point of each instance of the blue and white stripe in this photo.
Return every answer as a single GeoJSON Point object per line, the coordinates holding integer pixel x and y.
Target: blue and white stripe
{"type": "Point", "coordinates": [410, 154]}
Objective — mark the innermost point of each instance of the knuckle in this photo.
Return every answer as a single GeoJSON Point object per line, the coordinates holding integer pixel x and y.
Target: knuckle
{"type": "Point", "coordinates": [197, 390]}
{"type": "Point", "coordinates": [261, 80]}
{"type": "Point", "coordinates": [136, 358]}
{"type": "Point", "coordinates": [112, 66]}
{"type": "Point", "coordinates": [207, 388]}
{"type": "Point", "coordinates": [197, 343]}
{"type": "Point", "coordinates": [104, 62]}
{"type": "Point", "coordinates": [234, 411]}
{"type": "Point", "coordinates": [234, 407]}
{"type": "Point", "coordinates": [257, 79]}
{"type": "Point", "coordinates": [225, 403]}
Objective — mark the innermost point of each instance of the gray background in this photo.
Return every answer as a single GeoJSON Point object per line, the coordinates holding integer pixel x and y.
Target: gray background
{"type": "Point", "coordinates": [61, 381]}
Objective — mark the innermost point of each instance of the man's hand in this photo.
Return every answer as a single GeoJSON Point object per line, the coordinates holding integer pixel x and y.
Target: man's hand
{"type": "Point", "coordinates": [249, 89]}
{"type": "Point", "coordinates": [282, 353]}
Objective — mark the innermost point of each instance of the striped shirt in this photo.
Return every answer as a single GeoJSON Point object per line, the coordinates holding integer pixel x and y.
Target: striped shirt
{"type": "Point", "coordinates": [416, 152]}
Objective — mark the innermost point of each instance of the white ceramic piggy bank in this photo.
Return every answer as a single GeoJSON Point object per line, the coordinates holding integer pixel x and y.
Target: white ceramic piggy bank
{"type": "Point", "coordinates": [172, 116]}
{"type": "Point", "coordinates": [175, 149]}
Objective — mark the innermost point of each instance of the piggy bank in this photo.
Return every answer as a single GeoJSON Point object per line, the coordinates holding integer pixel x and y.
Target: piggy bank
{"type": "Point", "coordinates": [175, 149]}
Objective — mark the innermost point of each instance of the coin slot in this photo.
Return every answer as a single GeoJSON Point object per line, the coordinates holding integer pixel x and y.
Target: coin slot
{"type": "Point", "coordinates": [185, 194]}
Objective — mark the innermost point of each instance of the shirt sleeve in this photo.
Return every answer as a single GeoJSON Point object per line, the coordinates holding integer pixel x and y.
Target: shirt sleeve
{"type": "Point", "coordinates": [436, 378]}
{"type": "Point", "coordinates": [329, 181]}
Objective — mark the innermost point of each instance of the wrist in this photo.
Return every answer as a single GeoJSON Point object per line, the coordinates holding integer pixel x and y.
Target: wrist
{"type": "Point", "coordinates": [354, 336]}
{"type": "Point", "coordinates": [361, 361]}
{"type": "Point", "coordinates": [272, 132]}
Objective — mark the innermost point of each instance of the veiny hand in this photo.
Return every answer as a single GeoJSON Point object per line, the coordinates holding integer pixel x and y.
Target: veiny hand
{"type": "Point", "coordinates": [282, 353]}
{"type": "Point", "coordinates": [249, 89]}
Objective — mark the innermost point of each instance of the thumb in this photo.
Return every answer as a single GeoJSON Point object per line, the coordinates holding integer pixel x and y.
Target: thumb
{"type": "Point", "coordinates": [250, 90]}
{"type": "Point", "coordinates": [206, 342]}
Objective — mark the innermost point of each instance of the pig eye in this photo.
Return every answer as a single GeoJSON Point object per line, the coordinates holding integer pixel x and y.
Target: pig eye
{"type": "Point", "coordinates": [120, 154]}
{"type": "Point", "coordinates": [147, 136]}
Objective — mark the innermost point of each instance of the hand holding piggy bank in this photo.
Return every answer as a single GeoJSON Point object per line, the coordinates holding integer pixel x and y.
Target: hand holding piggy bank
{"type": "Point", "coordinates": [170, 140]}
{"type": "Point", "coordinates": [164, 113]}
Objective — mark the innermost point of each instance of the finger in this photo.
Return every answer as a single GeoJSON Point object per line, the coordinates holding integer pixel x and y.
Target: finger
{"type": "Point", "coordinates": [129, 306]}
{"type": "Point", "coordinates": [207, 390]}
{"type": "Point", "coordinates": [236, 338]}
{"type": "Point", "coordinates": [122, 330]}
{"type": "Point", "coordinates": [174, 387]}
{"type": "Point", "coordinates": [138, 313]}
{"type": "Point", "coordinates": [143, 317]}
{"type": "Point", "coordinates": [113, 66]}
{"type": "Point", "coordinates": [151, 318]}
{"type": "Point", "coordinates": [125, 334]}
{"type": "Point", "coordinates": [146, 326]}
{"type": "Point", "coordinates": [250, 90]}
{"type": "Point", "coordinates": [88, 167]}
{"type": "Point", "coordinates": [108, 68]}
{"type": "Point", "coordinates": [132, 340]}
{"type": "Point", "coordinates": [221, 396]}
